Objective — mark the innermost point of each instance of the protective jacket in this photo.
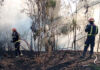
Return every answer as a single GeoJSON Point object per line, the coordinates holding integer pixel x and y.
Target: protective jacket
{"type": "Point", "coordinates": [91, 29]}
{"type": "Point", "coordinates": [15, 36]}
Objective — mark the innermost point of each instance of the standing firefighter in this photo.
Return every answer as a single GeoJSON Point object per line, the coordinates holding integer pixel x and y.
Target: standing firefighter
{"type": "Point", "coordinates": [15, 40]}
{"type": "Point", "coordinates": [91, 31]}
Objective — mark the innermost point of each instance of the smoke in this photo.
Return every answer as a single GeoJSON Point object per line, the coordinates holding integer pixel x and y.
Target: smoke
{"type": "Point", "coordinates": [11, 17]}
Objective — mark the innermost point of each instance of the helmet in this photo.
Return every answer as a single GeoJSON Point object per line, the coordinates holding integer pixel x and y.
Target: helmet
{"type": "Point", "coordinates": [13, 29]}
{"type": "Point", "coordinates": [91, 19]}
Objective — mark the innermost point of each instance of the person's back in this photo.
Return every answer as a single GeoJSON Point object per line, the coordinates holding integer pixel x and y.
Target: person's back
{"type": "Point", "coordinates": [92, 31]}
{"type": "Point", "coordinates": [15, 36]}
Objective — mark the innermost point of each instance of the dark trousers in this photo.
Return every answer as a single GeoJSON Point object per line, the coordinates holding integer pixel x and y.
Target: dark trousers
{"type": "Point", "coordinates": [90, 41]}
{"type": "Point", "coordinates": [17, 49]}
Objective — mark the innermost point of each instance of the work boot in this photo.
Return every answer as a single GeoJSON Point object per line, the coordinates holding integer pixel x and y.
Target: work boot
{"type": "Point", "coordinates": [90, 57]}
{"type": "Point", "coordinates": [17, 56]}
{"type": "Point", "coordinates": [82, 57]}
{"type": "Point", "coordinates": [21, 54]}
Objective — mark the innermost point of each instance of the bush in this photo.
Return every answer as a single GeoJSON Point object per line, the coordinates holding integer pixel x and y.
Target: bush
{"type": "Point", "coordinates": [64, 30]}
{"type": "Point", "coordinates": [67, 29]}
{"type": "Point", "coordinates": [51, 3]}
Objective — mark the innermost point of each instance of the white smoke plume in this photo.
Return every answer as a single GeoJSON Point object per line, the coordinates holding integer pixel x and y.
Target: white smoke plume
{"type": "Point", "coordinates": [12, 17]}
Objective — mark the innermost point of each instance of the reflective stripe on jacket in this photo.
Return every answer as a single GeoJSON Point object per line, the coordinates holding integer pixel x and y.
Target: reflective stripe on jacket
{"type": "Point", "coordinates": [92, 30]}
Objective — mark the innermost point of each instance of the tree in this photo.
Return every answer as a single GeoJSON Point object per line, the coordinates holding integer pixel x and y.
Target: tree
{"type": "Point", "coordinates": [39, 13]}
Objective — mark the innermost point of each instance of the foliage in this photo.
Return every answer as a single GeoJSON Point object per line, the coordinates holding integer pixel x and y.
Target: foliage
{"type": "Point", "coordinates": [66, 29]}
{"type": "Point", "coordinates": [51, 3]}
{"type": "Point", "coordinates": [74, 22]}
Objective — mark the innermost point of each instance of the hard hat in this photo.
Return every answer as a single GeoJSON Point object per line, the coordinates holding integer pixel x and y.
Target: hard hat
{"type": "Point", "coordinates": [13, 29]}
{"type": "Point", "coordinates": [91, 19]}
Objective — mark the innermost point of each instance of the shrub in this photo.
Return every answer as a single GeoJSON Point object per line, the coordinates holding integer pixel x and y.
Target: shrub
{"type": "Point", "coordinates": [51, 3]}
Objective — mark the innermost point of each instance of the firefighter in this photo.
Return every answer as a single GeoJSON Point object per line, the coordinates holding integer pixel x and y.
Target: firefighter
{"type": "Point", "coordinates": [15, 40]}
{"type": "Point", "coordinates": [92, 31]}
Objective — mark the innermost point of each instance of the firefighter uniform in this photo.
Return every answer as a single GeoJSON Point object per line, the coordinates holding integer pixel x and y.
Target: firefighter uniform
{"type": "Point", "coordinates": [15, 40]}
{"type": "Point", "coordinates": [92, 30]}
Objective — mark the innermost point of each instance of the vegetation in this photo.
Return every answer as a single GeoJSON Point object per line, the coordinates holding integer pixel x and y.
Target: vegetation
{"type": "Point", "coordinates": [51, 3]}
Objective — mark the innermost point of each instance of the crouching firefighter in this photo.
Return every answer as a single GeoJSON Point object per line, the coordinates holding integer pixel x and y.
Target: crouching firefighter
{"type": "Point", "coordinates": [91, 31]}
{"type": "Point", "coordinates": [15, 40]}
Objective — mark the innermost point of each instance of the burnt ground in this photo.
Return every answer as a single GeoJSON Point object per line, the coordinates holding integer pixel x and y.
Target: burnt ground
{"type": "Point", "coordinates": [58, 60]}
